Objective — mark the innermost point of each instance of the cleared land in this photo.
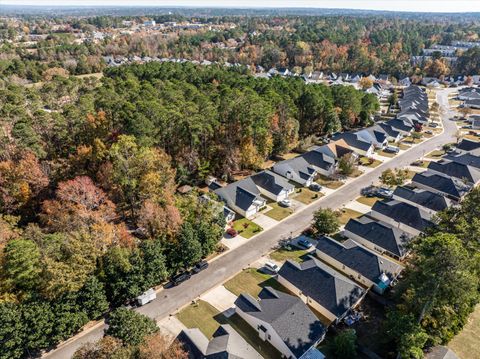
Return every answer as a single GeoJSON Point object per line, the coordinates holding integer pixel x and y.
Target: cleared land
{"type": "Point", "coordinates": [467, 343]}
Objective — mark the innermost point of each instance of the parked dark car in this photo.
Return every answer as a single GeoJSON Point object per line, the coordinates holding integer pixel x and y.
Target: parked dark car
{"type": "Point", "coordinates": [182, 277]}
{"type": "Point", "coordinates": [232, 232]}
{"type": "Point", "coordinates": [305, 243]}
{"type": "Point", "coordinates": [369, 191]}
{"type": "Point", "coordinates": [315, 187]}
{"type": "Point", "coordinates": [199, 267]}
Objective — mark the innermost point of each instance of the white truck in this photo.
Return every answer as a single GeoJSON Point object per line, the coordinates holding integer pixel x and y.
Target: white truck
{"type": "Point", "coordinates": [146, 297]}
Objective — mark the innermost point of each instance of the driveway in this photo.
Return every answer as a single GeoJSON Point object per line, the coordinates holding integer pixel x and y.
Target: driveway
{"type": "Point", "coordinates": [234, 261]}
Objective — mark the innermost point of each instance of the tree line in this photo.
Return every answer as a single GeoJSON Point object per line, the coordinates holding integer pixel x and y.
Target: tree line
{"type": "Point", "coordinates": [89, 213]}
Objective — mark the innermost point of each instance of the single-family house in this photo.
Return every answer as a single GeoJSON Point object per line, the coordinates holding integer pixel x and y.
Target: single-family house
{"type": "Point", "coordinates": [374, 136]}
{"type": "Point", "coordinates": [283, 320]}
{"type": "Point", "coordinates": [228, 214]}
{"type": "Point", "coordinates": [457, 170]}
{"type": "Point", "coordinates": [329, 292]}
{"type": "Point", "coordinates": [405, 82]}
{"type": "Point", "coordinates": [360, 263]}
{"type": "Point", "coordinates": [464, 158]}
{"type": "Point", "coordinates": [402, 215]}
{"type": "Point", "coordinates": [336, 149]}
{"type": "Point", "coordinates": [438, 182]}
{"type": "Point", "coordinates": [321, 162]}
{"type": "Point", "coordinates": [430, 202]}
{"type": "Point", "coordinates": [297, 170]}
{"type": "Point", "coordinates": [475, 121]}
{"type": "Point", "coordinates": [272, 185]}
{"type": "Point", "coordinates": [378, 235]}
{"type": "Point", "coordinates": [243, 197]}
{"type": "Point", "coordinates": [392, 134]}
{"type": "Point", "coordinates": [403, 127]}
{"type": "Point", "coordinates": [466, 145]}
{"type": "Point", "coordinates": [474, 103]}
{"type": "Point", "coordinates": [225, 343]}
{"type": "Point", "coordinates": [357, 144]}
{"type": "Point", "coordinates": [469, 93]}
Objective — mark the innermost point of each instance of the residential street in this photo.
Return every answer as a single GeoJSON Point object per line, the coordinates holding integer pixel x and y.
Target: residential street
{"type": "Point", "coordinates": [169, 300]}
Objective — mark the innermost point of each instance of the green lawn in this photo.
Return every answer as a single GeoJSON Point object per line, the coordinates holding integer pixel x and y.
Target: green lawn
{"type": "Point", "coordinates": [251, 281]}
{"type": "Point", "coordinates": [278, 212]}
{"type": "Point", "coordinates": [372, 163]}
{"type": "Point", "coordinates": [264, 348]}
{"type": "Point", "coordinates": [283, 254]}
{"type": "Point", "coordinates": [329, 183]}
{"type": "Point", "coordinates": [200, 315]}
{"type": "Point", "coordinates": [436, 154]}
{"type": "Point", "coordinates": [306, 195]}
{"type": "Point", "coordinates": [403, 146]}
{"type": "Point", "coordinates": [368, 201]}
{"type": "Point", "coordinates": [246, 228]}
{"type": "Point", "coordinates": [467, 342]}
{"type": "Point", "coordinates": [385, 154]}
{"type": "Point", "coordinates": [345, 214]}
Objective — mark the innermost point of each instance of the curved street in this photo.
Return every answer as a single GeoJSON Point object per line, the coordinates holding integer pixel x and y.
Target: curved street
{"type": "Point", "coordinates": [170, 300]}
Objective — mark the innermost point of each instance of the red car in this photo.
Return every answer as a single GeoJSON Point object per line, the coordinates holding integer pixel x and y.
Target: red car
{"type": "Point", "coordinates": [232, 232]}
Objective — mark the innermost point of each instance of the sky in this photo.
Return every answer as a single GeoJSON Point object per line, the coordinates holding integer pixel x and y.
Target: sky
{"type": "Point", "coordinates": [392, 5]}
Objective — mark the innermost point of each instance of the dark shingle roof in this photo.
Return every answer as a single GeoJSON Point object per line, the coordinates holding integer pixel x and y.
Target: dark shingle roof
{"type": "Point", "coordinates": [352, 140]}
{"type": "Point", "coordinates": [379, 233]}
{"type": "Point", "coordinates": [456, 169]}
{"type": "Point", "coordinates": [403, 213]}
{"type": "Point", "coordinates": [466, 159]}
{"type": "Point", "coordinates": [360, 259]}
{"type": "Point", "coordinates": [291, 319]}
{"type": "Point", "coordinates": [468, 145]}
{"type": "Point", "coordinates": [441, 183]}
{"type": "Point", "coordinates": [271, 182]}
{"type": "Point", "coordinates": [318, 159]}
{"type": "Point", "coordinates": [330, 289]}
{"type": "Point", "coordinates": [424, 198]}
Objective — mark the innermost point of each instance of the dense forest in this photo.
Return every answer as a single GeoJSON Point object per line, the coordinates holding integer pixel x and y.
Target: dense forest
{"type": "Point", "coordinates": [89, 215]}
{"type": "Point", "coordinates": [366, 44]}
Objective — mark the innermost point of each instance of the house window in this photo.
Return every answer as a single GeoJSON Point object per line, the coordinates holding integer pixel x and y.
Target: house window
{"type": "Point", "coordinates": [269, 337]}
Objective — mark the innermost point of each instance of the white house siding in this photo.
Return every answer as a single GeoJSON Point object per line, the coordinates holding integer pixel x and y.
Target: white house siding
{"type": "Point", "coordinates": [250, 212]}
{"type": "Point", "coordinates": [357, 277]}
{"type": "Point", "coordinates": [275, 340]}
{"type": "Point", "coordinates": [280, 197]}
{"type": "Point", "coordinates": [307, 300]}
{"type": "Point", "coordinates": [394, 223]}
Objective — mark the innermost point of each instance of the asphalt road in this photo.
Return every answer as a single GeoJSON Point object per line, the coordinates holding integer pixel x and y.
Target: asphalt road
{"type": "Point", "coordinates": [226, 266]}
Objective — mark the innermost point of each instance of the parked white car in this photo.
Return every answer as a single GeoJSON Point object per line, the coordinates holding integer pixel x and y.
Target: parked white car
{"type": "Point", "coordinates": [285, 203]}
{"type": "Point", "coordinates": [272, 267]}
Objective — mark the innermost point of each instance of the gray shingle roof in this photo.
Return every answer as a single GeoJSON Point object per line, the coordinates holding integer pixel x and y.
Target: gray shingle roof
{"type": "Point", "coordinates": [319, 159]}
{"type": "Point", "coordinates": [441, 183]}
{"type": "Point", "coordinates": [226, 343]}
{"type": "Point", "coordinates": [466, 159]}
{"type": "Point", "coordinates": [379, 233]}
{"type": "Point", "coordinates": [291, 319]}
{"type": "Point", "coordinates": [468, 145]}
{"type": "Point", "coordinates": [404, 213]}
{"type": "Point", "coordinates": [326, 286]}
{"type": "Point", "coordinates": [457, 170]}
{"type": "Point", "coordinates": [271, 182]}
{"type": "Point", "coordinates": [424, 198]}
{"type": "Point", "coordinates": [242, 193]}
{"type": "Point", "coordinates": [352, 140]}
{"type": "Point", "coordinates": [360, 259]}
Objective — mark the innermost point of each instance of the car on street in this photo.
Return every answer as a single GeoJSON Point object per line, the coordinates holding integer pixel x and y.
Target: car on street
{"type": "Point", "coordinates": [199, 267]}
{"type": "Point", "coordinates": [305, 243]}
{"type": "Point", "coordinates": [315, 187]}
{"type": "Point", "coordinates": [180, 278]}
{"type": "Point", "coordinates": [285, 203]}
